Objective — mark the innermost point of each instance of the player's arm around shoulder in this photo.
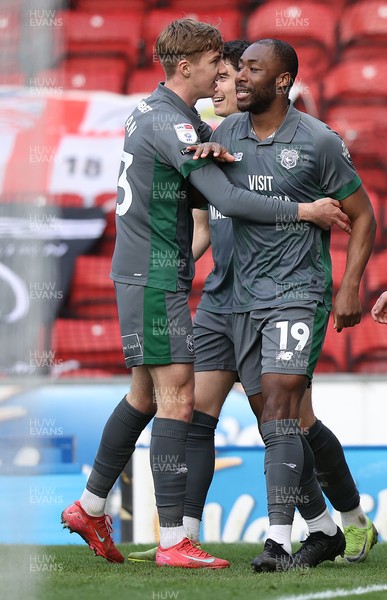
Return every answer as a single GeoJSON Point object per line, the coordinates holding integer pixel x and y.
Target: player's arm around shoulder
{"type": "Point", "coordinates": [218, 145]}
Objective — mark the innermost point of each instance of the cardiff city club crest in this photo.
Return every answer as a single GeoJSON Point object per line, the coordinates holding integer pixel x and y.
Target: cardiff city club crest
{"type": "Point", "coordinates": [190, 343]}
{"type": "Point", "coordinates": [289, 158]}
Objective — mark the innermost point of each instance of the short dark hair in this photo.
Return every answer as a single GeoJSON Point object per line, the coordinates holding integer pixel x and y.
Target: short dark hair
{"type": "Point", "coordinates": [285, 55]}
{"type": "Point", "coordinates": [233, 50]}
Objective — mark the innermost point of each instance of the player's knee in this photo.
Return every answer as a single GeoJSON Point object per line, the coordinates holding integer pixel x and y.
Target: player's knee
{"type": "Point", "coordinates": [175, 404]}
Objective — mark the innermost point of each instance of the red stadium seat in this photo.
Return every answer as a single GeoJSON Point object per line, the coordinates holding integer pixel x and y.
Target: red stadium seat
{"type": "Point", "coordinates": [229, 23]}
{"type": "Point", "coordinates": [379, 204]}
{"type": "Point", "coordinates": [348, 117]}
{"type": "Point", "coordinates": [357, 80]}
{"type": "Point", "coordinates": [366, 142]}
{"type": "Point", "coordinates": [66, 200]}
{"type": "Point", "coordinates": [104, 33]}
{"type": "Point", "coordinates": [145, 80]}
{"type": "Point", "coordinates": [355, 94]}
{"type": "Point", "coordinates": [306, 95]}
{"type": "Point", "coordinates": [203, 6]}
{"type": "Point", "coordinates": [337, 6]}
{"type": "Point", "coordinates": [106, 201]}
{"type": "Point", "coordinates": [94, 344]}
{"type": "Point", "coordinates": [92, 293]}
{"type": "Point", "coordinates": [357, 125]}
{"type": "Point", "coordinates": [368, 347]}
{"type": "Point", "coordinates": [363, 30]}
{"type": "Point", "coordinates": [373, 174]}
{"type": "Point", "coordinates": [93, 73]}
{"type": "Point", "coordinates": [335, 351]}
{"type": "Point", "coordinates": [308, 27]}
{"type": "Point", "coordinates": [117, 5]}
{"type": "Point", "coordinates": [340, 239]}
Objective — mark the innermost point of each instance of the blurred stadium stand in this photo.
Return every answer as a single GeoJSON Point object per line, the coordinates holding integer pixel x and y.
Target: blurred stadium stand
{"type": "Point", "coordinates": [368, 348]}
{"type": "Point", "coordinates": [104, 33]}
{"type": "Point", "coordinates": [333, 358]}
{"type": "Point", "coordinates": [363, 30]}
{"type": "Point", "coordinates": [88, 344]}
{"type": "Point", "coordinates": [309, 27]}
{"type": "Point", "coordinates": [87, 73]}
{"type": "Point", "coordinates": [110, 46]}
{"type": "Point", "coordinates": [92, 291]}
{"type": "Point", "coordinates": [228, 21]}
{"type": "Point", "coordinates": [145, 80]}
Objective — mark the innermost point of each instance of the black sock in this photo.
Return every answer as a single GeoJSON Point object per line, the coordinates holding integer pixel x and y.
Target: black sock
{"type": "Point", "coordinates": [284, 462]}
{"type": "Point", "coordinates": [118, 441]}
{"type": "Point", "coordinates": [311, 501]}
{"type": "Point", "coordinates": [332, 470]}
{"type": "Point", "coordinates": [200, 459]}
{"type": "Point", "coordinates": [169, 469]}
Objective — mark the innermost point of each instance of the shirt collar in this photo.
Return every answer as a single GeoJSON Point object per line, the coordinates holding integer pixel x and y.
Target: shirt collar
{"type": "Point", "coordinates": [284, 133]}
{"type": "Point", "coordinates": [177, 103]}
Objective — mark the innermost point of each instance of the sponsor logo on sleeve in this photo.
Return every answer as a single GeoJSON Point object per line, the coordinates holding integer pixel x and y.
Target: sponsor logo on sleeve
{"type": "Point", "coordinates": [345, 152]}
{"type": "Point", "coordinates": [186, 133]}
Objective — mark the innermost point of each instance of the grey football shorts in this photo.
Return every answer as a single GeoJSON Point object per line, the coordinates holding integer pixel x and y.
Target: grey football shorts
{"type": "Point", "coordinates": [156, 326]}
{"type": "Point", "coordinates": [285, 339]}
{"type": "Point", "coordinates": [214, 341]}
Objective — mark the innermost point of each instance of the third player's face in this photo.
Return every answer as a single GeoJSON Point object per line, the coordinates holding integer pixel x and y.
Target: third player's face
{"type": "Point", "coordinates": [225, 100]}
{"type": "Point", "coordinates": [204, 74]}
{"type": "Point", "coordinates": [256, 80]}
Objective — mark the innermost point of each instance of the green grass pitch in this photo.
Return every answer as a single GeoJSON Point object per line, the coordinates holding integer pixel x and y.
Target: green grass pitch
{"type": "Point", "coordinates": [74, 573]}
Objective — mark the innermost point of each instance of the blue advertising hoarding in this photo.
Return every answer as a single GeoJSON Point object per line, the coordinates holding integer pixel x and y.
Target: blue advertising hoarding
{"type": "Point", "coordinates": [49, 435]}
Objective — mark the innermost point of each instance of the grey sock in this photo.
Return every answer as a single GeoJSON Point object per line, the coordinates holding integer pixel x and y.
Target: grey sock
{"type": "Point", "coordinates": [311, 501]}
{"type": "Point", "coordinates": [200, 459]}
{"type": "Point", "coordinates": [332, 469]}
{"type": "Point", "coordinates": [117, 444]}
{"type": "Point", "coordinates": [169, 469]}
{"type": "Point", "coordinates": [284, 462]}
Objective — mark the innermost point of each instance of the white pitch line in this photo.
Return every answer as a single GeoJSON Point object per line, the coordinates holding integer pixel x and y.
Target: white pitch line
{"type": "Point", "coordinates": [339, 593]}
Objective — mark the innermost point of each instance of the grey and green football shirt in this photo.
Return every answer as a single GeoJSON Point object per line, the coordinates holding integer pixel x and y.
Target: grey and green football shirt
{"type": "Point", "coordinates": [154, 222]}
{"type": "Point", "coordinates": [304, 160]}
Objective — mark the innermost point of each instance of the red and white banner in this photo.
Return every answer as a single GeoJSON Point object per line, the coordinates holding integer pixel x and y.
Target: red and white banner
{"type": "Point", "coordinates": [64, 143]}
